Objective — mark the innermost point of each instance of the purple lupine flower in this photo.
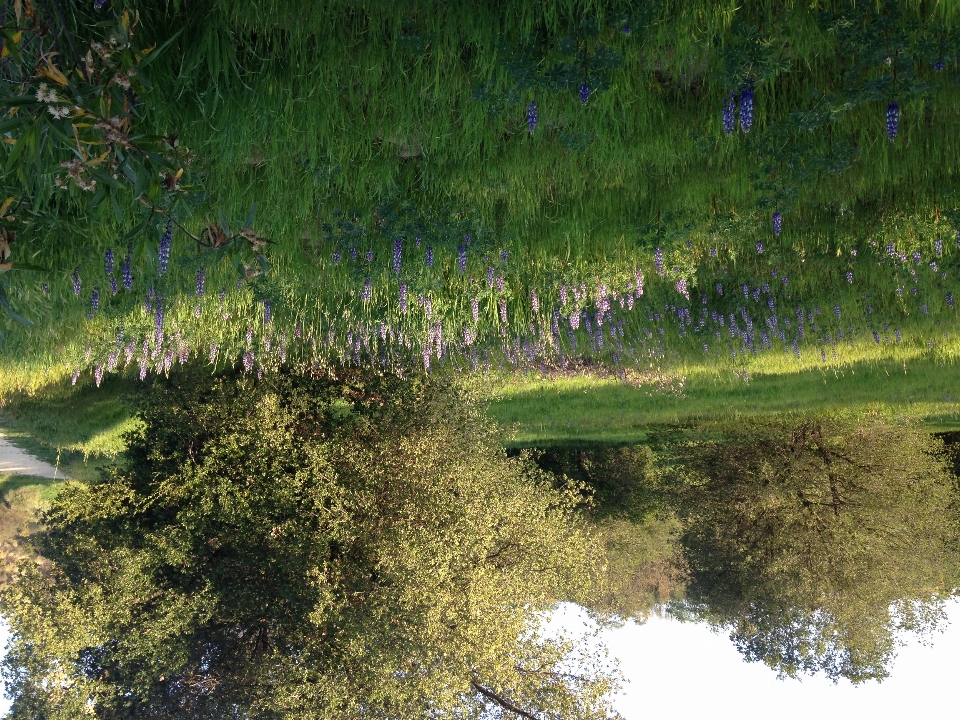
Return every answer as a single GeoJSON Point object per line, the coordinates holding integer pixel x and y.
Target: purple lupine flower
{"type": "Point", "coordinates": [114, 287]}
{"type": "Point", "coordinates": [475, 309]}
{"type": "Point", "coordinates": [534, 301]}
{"type": "Point", "coordinates": [746, 106]}
{"type": "Point", "coordinates": [353, 253]}
{"type": "Point", "coordinates": [403, 297]}
{"type": "Point", "coordinates": [127, 273]}
{"type": "Point", "coordinates": [213, 352]}
{"type": "Point", "coordinates": [658, 260]}
{"type": "Point", "coordinates": [504, 255]}
{"type": "Point", "coordinates": [95, 299]}
{"type": "Point", "coordinates": [893, 121]}
{"type": "Point", "coordinates": [836, 310]}
{"type": "Point", "coordinates": [503, 311]}
{"type": "Point", "coordinates": [75, 276]}
{"type": "Point", "coordinates": [166, 240]}
{"type": "Point", "coordinates": [938, 246]}
{"type": "Point", "coordinates": [770, 303]}
{"type": "Point", "coordinates": [916, 257]}
{"type": "Point", "coordinates": [638, 276]}
{"type": "Point", "coordinates": [490, 277]}
{"type": "Point", "coordinates": [98, 374]}
{"type": "Point", "coordinates": [416, 242]}
{"type": "Point", "coordinates": [849, 276]}
{"type": "Point", "coordinates": [197, 311]}
{"type": "Point", "coordinates": [896, 334]}
{"type": "Point", "coordinates": [397, 255]}
{"type": "Point", "coordinates": [584, 91]}
{"type": "Point", "coordinates": [719, 289]}
{"type": "Point", "coordinates": [759, 248]}
{"type": "Point", "coordinates": [369, 256]}
{"type": "Point", "coordinates": [746, 290]}
{"type": "Point", "coordinates": [729, 114]}
{"type": "Point", "coordinates": [532, 116]}
{"type": "Point", "coordinates": [201, 281]}
{"type": "Point", "coordinates": [367, 287]}
{"type": "Point", "coordinates": [429, 256]}
{"type": "Point", "coordinates": [108, 261]}
{"type": "Point", "coordinates": [336, 258]}
{"type": "Point", "coordinates": [950, 300]}
{"type": "Point", "coordinates": [462, 258]}
{"type": "Point", "coordinates": [248, 361]}
{"type": "Point", "coordinates": [713, 252]}
{"type": "Point", "coordinates": [777, 223]}
{"type": "Point", "coordinates": [75, 376]}
{"type": "Point", "coordinates": [938, 66]}
{"type": "Point", "coordinates": [268, 311]}
{"type": "Point", "coordinates": [923, 309]}
{"type": "Point", "coordinates": [891, 250]}
{"type": "Point", "coordinates": [499, 283]}
{"type": "Point", "coordinates": [223, 295]}
{"type": "Point", "coordinates": [428, 307]}
{"type": "Point", "coordinates": [933, 265]}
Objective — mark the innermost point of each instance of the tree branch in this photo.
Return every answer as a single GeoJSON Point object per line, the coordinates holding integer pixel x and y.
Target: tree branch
{"type": "Point", "coordinates": [501, 701]}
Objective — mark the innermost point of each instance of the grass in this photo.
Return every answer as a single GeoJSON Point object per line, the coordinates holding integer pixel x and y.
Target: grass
{"type": "Point", "coordinates": [21, 498]}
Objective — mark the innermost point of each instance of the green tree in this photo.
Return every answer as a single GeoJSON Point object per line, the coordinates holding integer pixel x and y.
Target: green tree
{"type": "Point", "coordinates": [815, 541]}
{"type": "Point", "coordinates": [306, 547]}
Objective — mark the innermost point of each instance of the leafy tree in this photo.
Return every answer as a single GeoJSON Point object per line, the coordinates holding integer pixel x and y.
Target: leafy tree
{"type": "Point", "coordinates": [306, 547]}
{"type": "Point", "coordinates": [816, 542]}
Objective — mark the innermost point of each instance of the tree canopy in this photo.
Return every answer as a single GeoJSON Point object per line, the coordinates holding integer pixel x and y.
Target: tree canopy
{"type": "Point", "coordinates": [814, 540]}
{"type": "Point", "coordinates": [306, 547]}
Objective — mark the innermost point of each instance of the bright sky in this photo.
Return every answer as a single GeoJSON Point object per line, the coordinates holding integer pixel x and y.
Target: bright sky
{"type": "Point", "coordinates": [684, 672]}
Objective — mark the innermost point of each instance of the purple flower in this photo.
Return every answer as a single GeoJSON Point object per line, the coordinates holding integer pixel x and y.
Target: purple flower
{"type": "Point", "coordinates": [397, 255]}
{"type": "Point", "coordinates": [416, 242]}
{"type": "Point", "coordinates": [201, 281]}
{"type": "Point", "coordinates": [429, 256]}
{"type": "Point", "coordinates": [499, 283]}
{"type": "Point", "coordinates": [938, 66]}
{"type": "Point", "coordinates": [353, 253]}
{"type": "Point", "coordinates": [938, 246]}
{"type": "Point", "coordinates": [475, 307]}
{"type": "Point", "coordinates": [336, 258]}
{"type": "Point", "coordinates": [658, 260]}
{"type": "Point", "coordinates": [108, 261]}
{"type": "Point", "coordinates": [638, 276]}
{"type": "Point", "coordinates": [777, 223]}
{"type": "Point", "coordinates": [682, 288]}
{"type": "Point", "coordinates": [759, 248]}
{"type": "Point", "coordinates": [534, 301]}
{"type": "Point", "coordinates": [462, 258]}
{"type": "Point", "coordinates": [213, 352]}
{"type": "Point", "coordinates": [503, 311]}
{"type": "Point", "coordinates": [923, 309]}
{"type": "Point", "coordinates": [197, 311]}
{"type": "Point", "coordinates": [503, 253]}
{"type": "Point", "coordinates": [893, 121]}
{"type": "Point", "coordinates": [836, 310]}
{"type": "Point", "coordinates": [365, 293]}
{"type": "Point", "coordinates": [166, 241]}
{"type": "Point", "coordinates": [75, 276]}
{"type": "Point", "coordinates": [950, 300]}
{"type": "Point", "coordinates": [127, 273]}
{"type": "Point", "coordinates": [403, 297]}
{"type": "Point", "coordinates": [719, 289]}
{"type": "Point", "coordinates": [746, 290]}
{"type": "Point", "coordinates": [97, 4]}
{"type": "Point", "coordinates": [490, 277]}
{"type": "Point", "coordinates": [98, 374]}
{"type": "Point", "coordinates": [729, 114]}
{"type": "Point", "coordinates": [849, 276]}
{"type": "Point", "coordinates": [933, 266]}
{"type": "Point", "coordinates": [563, 294]}
{"type": "Point", "coordinates": [369, 255]}
{"type": "Point", "coordinates": [268, 310]}
{"type": "Point", "coordinates": [95, 299]}
{"type": "Point", "coordinates": [532, 116]}
{"type": "Point", "coordinates": [746, 106]}
{"type": "Point", "coordinates": [248, 361]}
{"type": "Point", "coordinates": [713, 252]}
{"type": "Point", "coordinates": [896, 334]}
{"type": "Point", "coordinates": [584, 91]}
{"type": "Point", "coordinates": [114, 286]}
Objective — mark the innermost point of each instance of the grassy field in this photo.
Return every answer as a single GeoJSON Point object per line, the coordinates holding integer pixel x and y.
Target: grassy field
{"type": "Point", "coordinates": [21, 497]}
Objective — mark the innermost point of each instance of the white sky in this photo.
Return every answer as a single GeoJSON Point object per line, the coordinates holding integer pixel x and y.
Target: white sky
{"type": "Point", "coordinates": [684, 672]}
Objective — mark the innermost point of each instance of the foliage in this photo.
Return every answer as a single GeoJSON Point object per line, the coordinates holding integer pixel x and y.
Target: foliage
{"type": "Point", "coordinates": [305, 547]}
{"type": "Point", "coordinates": [815, 541]}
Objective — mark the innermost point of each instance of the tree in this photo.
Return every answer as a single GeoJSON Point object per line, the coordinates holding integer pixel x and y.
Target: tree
{"type": "Point", "coordinates": [815, 541]}
{"type": "Point", "coordinates": [306, 547]}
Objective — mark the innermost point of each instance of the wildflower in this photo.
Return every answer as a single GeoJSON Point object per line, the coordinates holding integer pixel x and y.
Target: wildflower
{"type": "Point", "coordinates": [532, 116]}
{"type": "Point", "coordinates": [682, 288]}
{"type": "Point", "coordinates": [933, 266]}
{"type": "Point", "coordinates": [503, 311]}
{"type": "Point", "coordinates": [534, 301]}
{"type": "Point", "coordinates": [746, 290]}
{"type": "Point", "coordinates": [475, 309]}
{"type": "Point", "coordinates": [658, 260]}
{"type": "Point", "coordinates": [365, 293]}
{"type": "Point", "coordinates": [108, 261]}
{"type": "Point", "coordinates": [563, 295]}
{"type": "Point", "coordinates": [353, 253]}
{"type": "Point", "coordinates": [893, 120]}
{"type": "Point", "coordinates": [777, 223]}
{"type": "Point", "coordinates": [158, 322]}
{"type": "Point", "coordinates": [759, 248]}
{"type": "Point", "coordinates": [499, 283]}
{"type": "Point", "coordinates": [746, 106]}
{"type": "Point", "coordinates": [95, 299]}
{"type": "Point", "coordinates": [114, 287]}
{"type": "Point", "coordinates": [584, 91]}
{"type": "Point", "coordinates": [429, 256]}
{"type": "Point", "coordinates": [336, 258]}
{"type": "Point", "coordinates": [268, 311]}
{"type": "Point", "coordinates": [638, 276]}
{"type": "Point", "coordinates": [713, 252]}
{"type": "Point", "coordinates": [770, 303]}
{"type": "Point", "coordinates": [416, 242]}
{"type": "Point", "coordinates": [916, 257]}
{"type": "Point", "coordinates": [201, 281]}
{"type": "Point", "coordinates": [923, 309]}
{"type": "Point", "coordinates": [719, 289]}
{"type": "Point", "coordinates": [166, 241]}
{"type": "Point", "coordinates": [849, 276]}
{"type": "Point", "coordinates": [75, 376]}
{"type": "Point", "coordinates": [896, 334]}
{"type": "Point", "coordinates": [729, 117]}
{"type": "Point", "coordinates": [950, 300]}
{"type": "Point", "coordinates": [248, 361]}
{"type": "Point", "coordinates": [462, 258]}
{"type": "Point", "coordinates": [196, 311]}
{"type": "Point", "coordinates": [938, 66]}
{"type": "Point", "coordinates": [403, 297]}
{"type": "Point", "coordinates": [75, 276]}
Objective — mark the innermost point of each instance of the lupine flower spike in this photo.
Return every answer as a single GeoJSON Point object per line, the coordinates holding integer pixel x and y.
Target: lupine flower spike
{"type": "Point", "coordinates": [893, 121]}
{"type": "Point", "coordinates": [108, 261]}
{"type": "Point", "coordinates": [75, 277]}
{"type": "Point", "coordinates": [777, 223]}
{"type": "Point", "coordinates": [746, 106]}
{"type": "Point", "coordinates": [165, 242]}
{"type": "Point", "coordinates": [729, 114]}
{"type": "Point", "coordinates": [532, 117]}
{"type": "Point", "coordinates": [584, 93]}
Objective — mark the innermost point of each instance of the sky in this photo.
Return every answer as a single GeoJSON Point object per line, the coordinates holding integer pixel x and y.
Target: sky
{"type": "Point", "coordinates": [682, 671]}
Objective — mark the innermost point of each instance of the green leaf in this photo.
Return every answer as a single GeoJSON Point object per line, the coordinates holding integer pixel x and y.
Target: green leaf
{"type": "Point", "coordinates": [156, 51]}
{"type": "Point", "coordinates": [224, 224]}
{"type": "Point", "coordinates": [250, 217]}
{"type": "Point", "coordinates": [5, 303]}
{"type": "Point", "coordinates": [117, 211]}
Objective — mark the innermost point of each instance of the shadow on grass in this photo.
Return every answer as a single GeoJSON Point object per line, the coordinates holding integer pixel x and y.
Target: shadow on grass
{"type": "Point", "coordinates": [47, 487]}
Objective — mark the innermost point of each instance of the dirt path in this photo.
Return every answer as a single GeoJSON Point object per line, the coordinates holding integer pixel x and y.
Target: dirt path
{"type": "Point", "coordinates": [14, 461]}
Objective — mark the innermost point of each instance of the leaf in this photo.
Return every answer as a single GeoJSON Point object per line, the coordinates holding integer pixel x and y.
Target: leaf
{"type": "Point", "coordinates": [31, 267]}
{"type": "Point", "coordinates": [223, 223]}
{"type": "Point", "coordinates": [53, 73]}
{"type": "Point", "coordinates": [154, 54]}
{"type": "Point", "coordinates": [5, 303]}
{"type": "Point", "coordinates": [4, 267]}
{"type": "Point", "coordinates": [6, 205]}
{"type": "Point", "coordinates": [117, 211]}
{"type": "Point", "coordinates": [246, 223]}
